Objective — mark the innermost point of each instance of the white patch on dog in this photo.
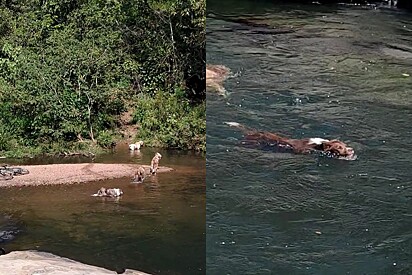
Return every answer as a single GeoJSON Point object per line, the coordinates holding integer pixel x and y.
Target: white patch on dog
{"type": "Point", "coordinates": [318, 141]}
{"type": "Point", "coordinates": [115, 192]}
{"type": "Point", "coordinates": [233, 124]}
{"type": "Point", "coordinates": [111, 192]}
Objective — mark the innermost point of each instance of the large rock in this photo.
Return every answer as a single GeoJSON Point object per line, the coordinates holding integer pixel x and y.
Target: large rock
{"type": "Point", "coordinates": [35, 262]}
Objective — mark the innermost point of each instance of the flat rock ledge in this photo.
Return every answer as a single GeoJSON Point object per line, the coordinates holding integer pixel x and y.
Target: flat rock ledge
{"type": "Point", "coordinates": [75, 173]}
{"type": "Point", "coordinates": [33, 262]}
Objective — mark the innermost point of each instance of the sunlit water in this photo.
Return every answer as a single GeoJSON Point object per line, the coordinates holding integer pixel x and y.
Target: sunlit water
{"type": "Point", "coordinates": [156, 227]}
{"type": "Point", "coordinates": [310, 71]}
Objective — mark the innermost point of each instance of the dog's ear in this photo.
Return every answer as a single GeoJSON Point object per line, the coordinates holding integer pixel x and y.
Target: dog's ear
{"type": "Point", "coordinates": [335, 147]}
{"type": "Point", "coordinates": [326, 146]}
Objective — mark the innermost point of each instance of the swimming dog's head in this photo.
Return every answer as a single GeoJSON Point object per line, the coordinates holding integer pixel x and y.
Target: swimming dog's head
{"type": "Point", "coordinates": [100, 193]}
{"type": "Point", "coordinates": [216, 73]}
{"type": "Point", "coordinates": [339, 149]}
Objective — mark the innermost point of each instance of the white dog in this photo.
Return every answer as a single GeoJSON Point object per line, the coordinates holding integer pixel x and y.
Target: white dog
{"type": "Point", "coordinates": [111, 192]}
{"type": "Point", "coordinates": [136, 146]}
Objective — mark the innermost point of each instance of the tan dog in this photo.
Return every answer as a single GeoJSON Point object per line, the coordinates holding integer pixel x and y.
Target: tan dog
{"type": "Point", "coordinates": [154, 165]}
{"type": "Point", "coordinates": [140, 175]}
{"type": "Point", "coordinates": [136, 146]}
{"type": "Point", "coordinates": [215, 75]}
{"type": "Point", "coordinates": [332, 148]}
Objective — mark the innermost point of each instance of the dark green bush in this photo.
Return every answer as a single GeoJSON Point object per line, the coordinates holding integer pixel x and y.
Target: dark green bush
{"type": "Point", "coordinates": [169, 120]}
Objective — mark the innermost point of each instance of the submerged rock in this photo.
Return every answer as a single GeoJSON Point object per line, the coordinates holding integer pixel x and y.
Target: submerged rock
{"type": "Point", "coordinates": [8, 229]}
{"type": "Point", "coordinates": [36, 262]}
{"type": "Point", "coordinates": [6, 235]}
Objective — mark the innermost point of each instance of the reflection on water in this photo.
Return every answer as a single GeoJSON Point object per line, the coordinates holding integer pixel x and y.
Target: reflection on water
{"type": "Point", "coordinates": [157, 227]}
{"type": "Point", "coordinates": [310, 71]}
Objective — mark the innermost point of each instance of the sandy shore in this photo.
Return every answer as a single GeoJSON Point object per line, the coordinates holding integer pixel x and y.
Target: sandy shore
{"type": "Point", "coordinates": [74, 173]}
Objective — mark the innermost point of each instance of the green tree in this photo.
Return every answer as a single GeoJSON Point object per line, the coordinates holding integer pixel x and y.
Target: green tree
{"type": "Point", "coordinates": [68, 69]}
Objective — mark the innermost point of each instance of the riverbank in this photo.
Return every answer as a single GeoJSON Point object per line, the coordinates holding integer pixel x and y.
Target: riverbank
{"type": "Point", "coordinates": [74, 173]}
{"type": "Point", "coordinates": [36, 262]}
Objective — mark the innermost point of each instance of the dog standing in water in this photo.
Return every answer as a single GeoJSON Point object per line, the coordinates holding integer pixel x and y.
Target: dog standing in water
{"type": "Point", "coordinates": [332, 148]}
{"type": "Point", "coordinates": [140, 175]}
{"type": "Point", "coordinates": [154, 165]}
{"type": "Point", "coordinates": [136, 146]}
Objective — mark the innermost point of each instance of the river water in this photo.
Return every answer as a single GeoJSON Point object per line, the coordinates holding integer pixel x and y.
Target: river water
{"type": "Point", "coordinates": [157, 227]}
{"type": "Point", "coordinates": [335, 71]}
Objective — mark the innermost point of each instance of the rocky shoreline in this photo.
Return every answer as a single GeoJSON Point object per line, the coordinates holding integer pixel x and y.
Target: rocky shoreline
{"type": "Point", "coordinates": [37, 262]}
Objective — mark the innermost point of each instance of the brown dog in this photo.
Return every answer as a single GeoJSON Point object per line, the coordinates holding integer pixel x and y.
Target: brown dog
{"type": "Point", "coordinates": [154, 165]}
{"type": "Point", "coordinates": [215, 75]}
{"type": "Point", "coordinates": [333, 148]}
{"type": "Point", "coordinates": [140, 175]}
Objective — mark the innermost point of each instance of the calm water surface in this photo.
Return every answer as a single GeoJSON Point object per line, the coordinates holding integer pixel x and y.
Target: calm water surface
{"type": "Point", "coordinates": [310, 71]}
{"type": "Point", "coordinates": [157, 227]}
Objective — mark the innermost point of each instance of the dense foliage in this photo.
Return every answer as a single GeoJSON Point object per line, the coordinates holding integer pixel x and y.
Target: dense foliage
{"type": "Point", "coordinates": [69, 69]}
{"type": "Point", "coordinates": [172, 121]}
